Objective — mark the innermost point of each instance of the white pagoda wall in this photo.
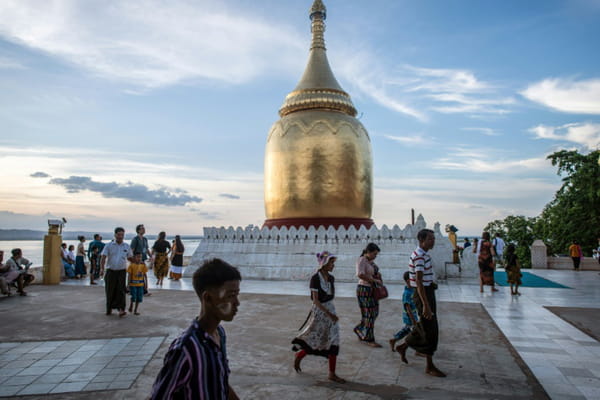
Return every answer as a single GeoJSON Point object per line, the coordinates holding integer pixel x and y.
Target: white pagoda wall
{"type": "Point", "coordinates": [289, 254]}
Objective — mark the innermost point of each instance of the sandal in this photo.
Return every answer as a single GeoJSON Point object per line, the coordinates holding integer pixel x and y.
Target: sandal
{"type": "Point", "coordinates": [122, 313]}
{"type": "Point", "coordinates": [297, 361]}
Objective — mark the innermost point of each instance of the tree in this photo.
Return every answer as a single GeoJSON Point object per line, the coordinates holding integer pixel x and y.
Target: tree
{"type": "Point", "coordinates": [574, 213]}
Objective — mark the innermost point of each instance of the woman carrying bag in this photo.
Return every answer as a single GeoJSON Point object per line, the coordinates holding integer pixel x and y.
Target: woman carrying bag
{"type": "Point", "coordinates": [369, 279]}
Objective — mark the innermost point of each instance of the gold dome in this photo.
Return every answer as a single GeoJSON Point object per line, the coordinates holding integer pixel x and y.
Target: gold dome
{"type": "Point", "coordinates": [318, 162]}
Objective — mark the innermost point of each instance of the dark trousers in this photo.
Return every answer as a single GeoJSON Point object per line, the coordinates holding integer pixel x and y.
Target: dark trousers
{"type": "Point", "coordinates": [576, 262]}
{"type": "Point", "coordinates": [424, 339]}
{"type": "Point", "coordinates": [114, 287]}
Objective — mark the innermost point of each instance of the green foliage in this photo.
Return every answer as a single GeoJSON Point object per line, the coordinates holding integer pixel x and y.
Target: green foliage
{"type": "Point", "coordinates": [573, 214]}
{"type": "Point", "coordinates": [519, 230]}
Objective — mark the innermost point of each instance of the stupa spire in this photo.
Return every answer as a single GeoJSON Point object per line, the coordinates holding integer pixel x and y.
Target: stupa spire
{"type": "Point", "coordinates": [318, 88]}
{"type": "Point", "coordinates": [318, 14]}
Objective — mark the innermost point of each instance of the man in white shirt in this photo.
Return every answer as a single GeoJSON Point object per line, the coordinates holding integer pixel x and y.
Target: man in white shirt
{"type": "Point", "coordinates": [422, 276]}
{"type": "Point", "coordinates": [115, 256]}
{"type": "Point", "coordinates": [498, 244]}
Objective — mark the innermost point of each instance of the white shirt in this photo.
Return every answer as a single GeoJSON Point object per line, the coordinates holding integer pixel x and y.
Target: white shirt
{"type": "Point", "coordinates": [499, 245]}
{"type": "Point", "coordinates": [116, 255]}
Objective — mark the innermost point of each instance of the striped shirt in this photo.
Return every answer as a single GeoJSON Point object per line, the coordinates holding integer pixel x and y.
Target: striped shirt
{"type": "Point", "coordinates": [194, 368]}
{"type": "Point", "coordinates": [420, 261]}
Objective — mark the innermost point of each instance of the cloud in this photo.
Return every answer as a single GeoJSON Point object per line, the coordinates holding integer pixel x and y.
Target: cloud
{"type": "Point", "coordinates": [152, 43]}
{"type": "Point", "coordinates": [39, 174]}
{"type": "Point", "coordinates": [478, 161]}
{"type": "Point", "coordinates": [209, 215]}
{"type": "Point", "coordinates": [128, 191]}
{"type": "Point", "coordinates": [585, 134]}
{"type": "Point", "coordinates": [566, 95]}
{"type": "Point", "coordinates": [485, 131]}
{"type": "Point", "coordinates": [413, 140]}
{"type": "Point", "coordinates": [453, 90]}
{"type": "Point", "coordinates": [413, 90]}
{"type": "Point", "coordinates": [229, 196]}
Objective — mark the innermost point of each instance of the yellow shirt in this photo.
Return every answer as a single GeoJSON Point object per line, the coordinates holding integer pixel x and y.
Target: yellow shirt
{"type": "Point", "coordinates": [574, 250]}
{"type": "Point", "coordinates": [136, 274]}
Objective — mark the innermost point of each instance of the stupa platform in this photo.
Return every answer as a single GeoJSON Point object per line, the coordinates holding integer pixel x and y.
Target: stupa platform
{"type": "Point", "coordinates": [289, 254]}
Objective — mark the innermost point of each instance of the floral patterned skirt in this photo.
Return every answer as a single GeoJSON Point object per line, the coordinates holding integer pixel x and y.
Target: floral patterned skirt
{"type": "Point", "coordinates": [321, 336]}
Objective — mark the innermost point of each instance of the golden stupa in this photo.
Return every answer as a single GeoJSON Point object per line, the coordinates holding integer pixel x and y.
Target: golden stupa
{"type": "Point", "coordinates": [318, 161]}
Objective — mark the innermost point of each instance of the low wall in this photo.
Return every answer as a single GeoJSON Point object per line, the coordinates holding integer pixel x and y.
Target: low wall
{"type": "Point", "coordinates": [282, 254]}
{"type": "Point", "coordinates": [587, 263]}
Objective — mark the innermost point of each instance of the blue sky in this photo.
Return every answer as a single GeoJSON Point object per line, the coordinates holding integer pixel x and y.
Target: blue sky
{"type": "Point", "coordinates": [158, 112]}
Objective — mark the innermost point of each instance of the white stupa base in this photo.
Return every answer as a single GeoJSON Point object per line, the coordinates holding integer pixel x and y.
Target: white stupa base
{"type": "Point", "coordinates": [290, 254]}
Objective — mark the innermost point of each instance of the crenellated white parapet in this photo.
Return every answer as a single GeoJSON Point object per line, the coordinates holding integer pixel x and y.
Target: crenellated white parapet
{"type": "Point", "coordinates": [289, 253]}
{"type": "Point", "coordinates": [316, 235]}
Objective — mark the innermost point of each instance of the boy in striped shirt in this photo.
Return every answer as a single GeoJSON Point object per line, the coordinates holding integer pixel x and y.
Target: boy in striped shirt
{"type": "Point", "coordinates": [196, 365]}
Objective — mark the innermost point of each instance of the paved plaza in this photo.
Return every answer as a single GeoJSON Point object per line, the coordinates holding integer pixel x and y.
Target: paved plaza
{"type": "Point", "coordinates": [57, 343]}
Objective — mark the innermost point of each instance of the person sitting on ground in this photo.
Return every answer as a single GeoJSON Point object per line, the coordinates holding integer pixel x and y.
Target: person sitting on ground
{"type": "Point", "coordinates": [67, 265]}
{"type": "Point", "coordinates": [136, 273]}
{"type": "Point", "coordinates": [407, 299]}
{"type": "Point", "coordinates": [513, 270]}
{"type": "Point", "coordinates": [4, 287]}
{"type": "Point", "coordinates": [14, 273]}
{"type": "Point", "coordinates": [196, 364]}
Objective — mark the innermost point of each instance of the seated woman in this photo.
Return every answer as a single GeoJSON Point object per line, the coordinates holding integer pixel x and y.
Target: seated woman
{"type": "Point", "coordinates": [67, 264]}
{"type": "Point", "coordinates": [14, 273]}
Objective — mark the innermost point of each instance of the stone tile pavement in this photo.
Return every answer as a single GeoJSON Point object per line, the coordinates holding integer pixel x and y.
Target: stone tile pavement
{"type": "Point", "coordinates": [61, 366]}
{"type": "Point", "coordinates": [562, 358]}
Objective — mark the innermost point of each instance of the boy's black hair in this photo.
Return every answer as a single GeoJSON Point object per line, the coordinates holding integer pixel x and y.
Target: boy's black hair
{"type": "Point", "coordinates": [214, 273]}
{"type": "Point", "coordinates": [119, 229]}
{"type": "Point", "coordinates": [135, 253]}
{"type": "Point", "coordinates": [406, 276]}
{"type": "Point", "coordinates": [423, 233]}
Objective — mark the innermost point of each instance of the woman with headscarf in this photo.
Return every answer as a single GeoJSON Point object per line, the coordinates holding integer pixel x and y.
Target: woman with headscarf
{"type": "Point", "coordinates": [486, 262]}
{"type": "Point", "coordinates": [368, 277]}
{"type": "Point", "coordinates": [321, 336]}
{"type": "Point", "coordinates": [513, 270]}
{"type": "Point", "coordinates": [160, 251]}
{"type": "Point", "coordinates": [176, 270]}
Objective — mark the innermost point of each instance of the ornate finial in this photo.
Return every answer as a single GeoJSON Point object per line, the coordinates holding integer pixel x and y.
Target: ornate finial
{"type": "Point", "coordinates": [318, 13]}
{"type": "Point", "coordinates": [318, 8]}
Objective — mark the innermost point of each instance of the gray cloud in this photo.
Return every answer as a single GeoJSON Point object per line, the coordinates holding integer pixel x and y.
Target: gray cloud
{"type": "Point", "coordinates": [229, 196]}
{"type": "Point", "coordinates": [209, 216]}
{"type": "Point", "coordinates": [128, 191]}
{"type": "Point", "coordinates": [39, 174]}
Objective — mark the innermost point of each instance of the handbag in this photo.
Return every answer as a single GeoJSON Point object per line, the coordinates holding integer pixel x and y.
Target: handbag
{"type": "Point", "coordinates": [380, 292]}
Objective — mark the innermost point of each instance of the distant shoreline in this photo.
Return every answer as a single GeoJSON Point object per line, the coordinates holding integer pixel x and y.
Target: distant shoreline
{"type": "Point", "coordinates": [28, 234]}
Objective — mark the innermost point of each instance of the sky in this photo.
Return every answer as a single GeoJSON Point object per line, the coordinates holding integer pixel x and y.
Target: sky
{"type": "Point", "coordinates": [124, 112]}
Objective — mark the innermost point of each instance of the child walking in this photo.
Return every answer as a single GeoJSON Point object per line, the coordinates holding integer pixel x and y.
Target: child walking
{"type": "Point", "coordinates": [407, 303]}
{"type": "Point", "coordinates": [136, 272]}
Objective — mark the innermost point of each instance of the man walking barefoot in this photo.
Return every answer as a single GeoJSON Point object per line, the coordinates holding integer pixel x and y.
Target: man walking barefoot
{"type": "Point", "coordinates": [422, 277]}
{"type": "Point", "coordinates": [115, 256]}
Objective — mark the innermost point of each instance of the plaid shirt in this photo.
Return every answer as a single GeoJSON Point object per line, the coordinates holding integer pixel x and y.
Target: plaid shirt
{"type": "Point", "coordinates": [194, 368]}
